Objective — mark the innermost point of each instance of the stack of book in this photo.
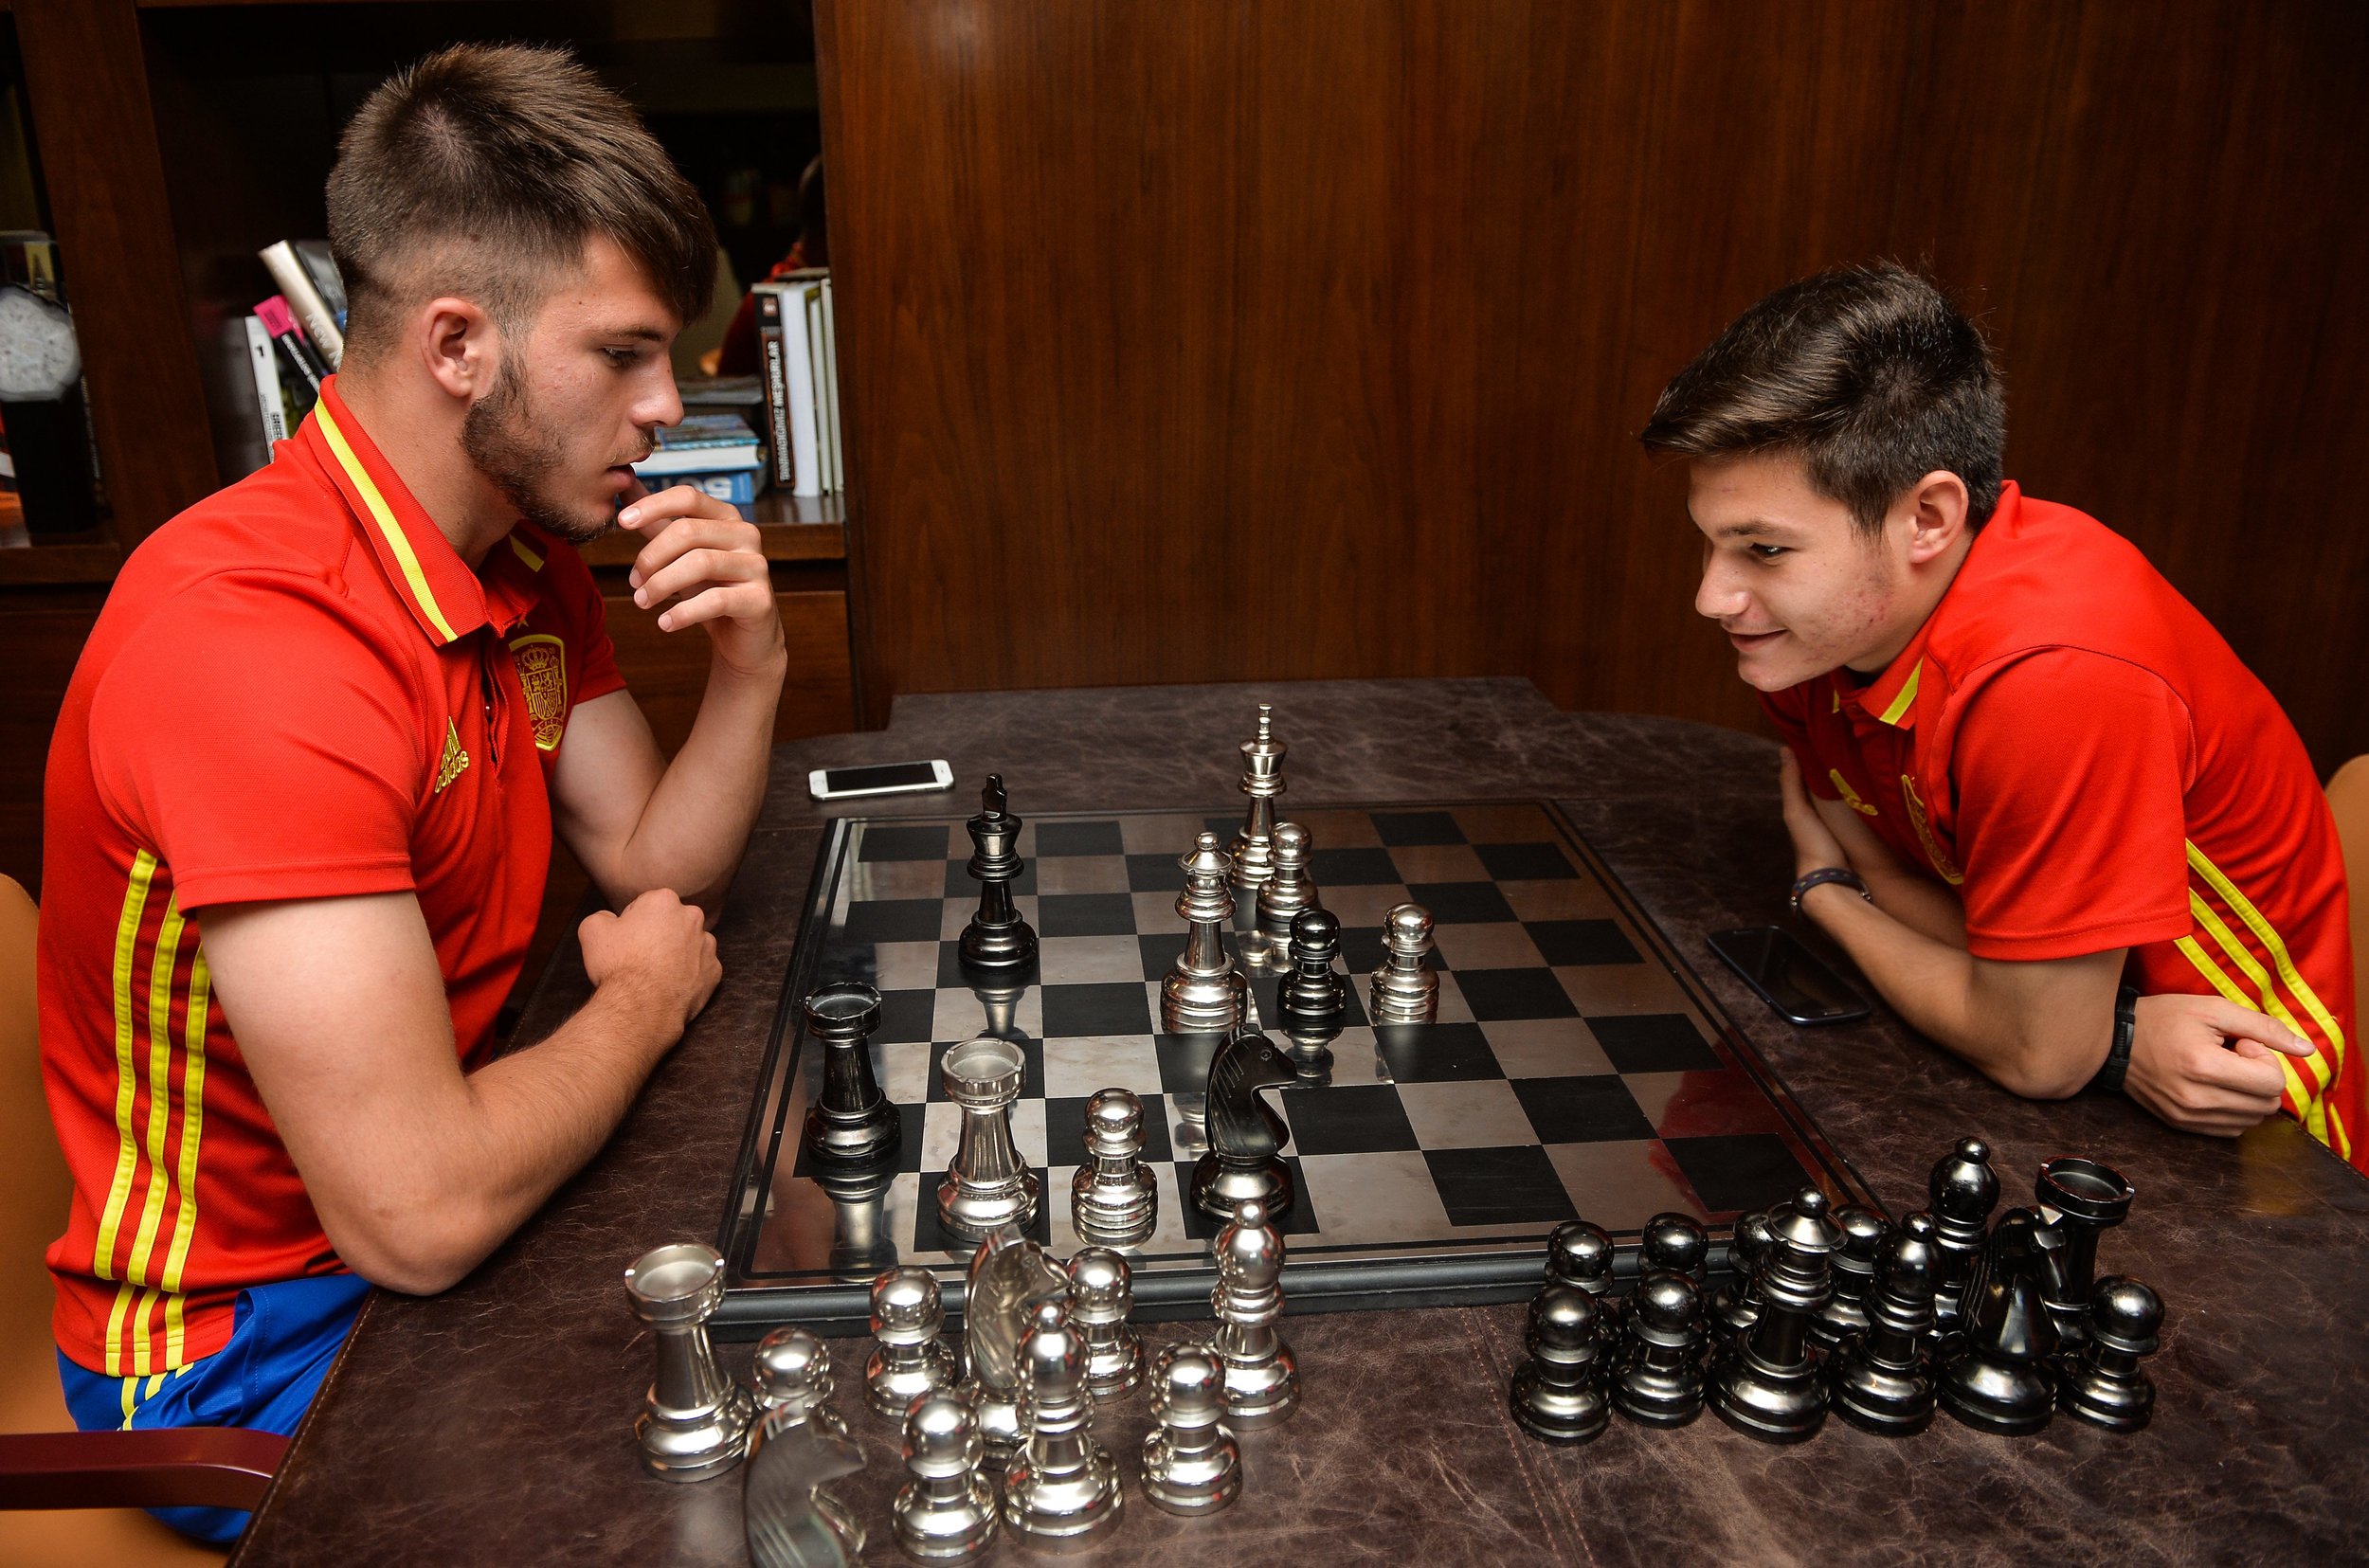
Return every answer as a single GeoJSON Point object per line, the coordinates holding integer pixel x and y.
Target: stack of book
{"type": "Point", "coordinates": [296, 339]}
{"type": "Point", "coordinates": [718, 454]}
{"type": "Point", "coordinates": [800, 346]}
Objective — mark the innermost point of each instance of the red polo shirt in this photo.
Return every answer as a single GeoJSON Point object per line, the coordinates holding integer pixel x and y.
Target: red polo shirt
{"type": "Point", "coordinates": [296, 690]}
{"type": "Point", "coordinates": [2075, 749]}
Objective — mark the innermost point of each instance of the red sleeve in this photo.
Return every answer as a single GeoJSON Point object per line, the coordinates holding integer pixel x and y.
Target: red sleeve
{"type": "Point", "coordinates": [266, 740]}
{"type": "Point", "coordinates": [2071, 772]}
{"type": "Point", "coordinates": [1789, 710]}
{"type": "Point", "coordinates": [569, 589]}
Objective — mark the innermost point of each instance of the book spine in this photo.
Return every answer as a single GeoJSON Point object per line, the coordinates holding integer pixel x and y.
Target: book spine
{"type": "Point", "coordinates": [260, 362]}
{"type": "Point", "coordinates": [776, 382]}
{"type": "Point", "coordinates": [797, 355]}
{"type": "Point", "coordinates": [818, 370]}
{"type": "Point", "coordinates": [296, 286]}
{"type": "Point", "coordinates": [830, 371]}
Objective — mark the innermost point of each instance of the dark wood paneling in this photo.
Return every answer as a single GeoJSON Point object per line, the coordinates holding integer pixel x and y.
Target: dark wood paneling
{"type": "Point", "coordinates": [1205, 341]}
{"type": "Point", "coordinates": [41, 636]}
{"type": "Point", "coordinates": [668, 671]}
{"type": "Point", "coordinates": [87, 89]}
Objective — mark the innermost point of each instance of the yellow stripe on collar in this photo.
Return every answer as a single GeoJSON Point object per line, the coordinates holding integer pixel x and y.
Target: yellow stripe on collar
{"type": "Point", "coordinates": [384, 516]}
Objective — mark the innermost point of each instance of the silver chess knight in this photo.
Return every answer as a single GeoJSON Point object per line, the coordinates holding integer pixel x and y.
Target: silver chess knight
{"type": "Point", "coordinates": [1261, 1386]}
{"type": "Point", "coordinates": [986, 1183]}
{"type": "Point", "coordinates": [1404, 989]}
{"type": "Point", "coordinates": [1191, 1464]}
{"type": "Point", "coordinates": [1062, 1490]}
{"type": "Point", "coordinates": [1113, 1198]}
{"type": "Point", "coordinates": [695, 1420]}
{"type": "Point", "coordinates": [913, 1359]}
{"type": "Point", "coordinates": [1010, 1275]}
{"type": "Point", "coordinates": [799, 1443]}
{"type": "Point", "coordinates": [1252, 852]}
{"type": "Point", "coordinates": [1203, 993]}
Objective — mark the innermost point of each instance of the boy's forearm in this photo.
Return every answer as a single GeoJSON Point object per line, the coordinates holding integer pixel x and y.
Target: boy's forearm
{"type": "Point", "coordinates": [697, 820]}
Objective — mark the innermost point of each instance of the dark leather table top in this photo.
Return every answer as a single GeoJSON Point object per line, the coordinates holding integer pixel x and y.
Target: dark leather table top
{"type": "Point", "coordinates": [493, 1423]}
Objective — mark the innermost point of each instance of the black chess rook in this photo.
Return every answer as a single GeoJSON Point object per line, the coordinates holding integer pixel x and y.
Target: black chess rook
{"type": "Point", "coordinates": [852, 1124]}
{"type": "Point", "coordinates": [2084, 1200]}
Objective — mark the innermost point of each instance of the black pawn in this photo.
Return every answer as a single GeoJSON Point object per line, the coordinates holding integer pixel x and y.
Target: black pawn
{"type": "Point", "coordinates": [1579, 1255]}
{"type": "Point", "coordinates": [997, 937]}
{"type": "Point", "coordinates": [1845, 1313]}
{"type": "Point", "coordinates": [2104, 1384]}
{"type": "Point", "coordinates": [1769, 1387]}
{"type": "Point", "coordinates": [1884, 1378]}
{"type": "Point", "coordinates": [1312, 998]}
{"type": "Point", "coordinates": [1964, 1190]}
{"type": "Point", "coordinates": [1996, 1376]}
{"type": "Point", "coordinates": [1736, 1305]}
{"type": "Point", "coordinates": [1558, 1394]}
{"type": "Point", "coordinates": [852, 1124]}
{"type": "Point", "coordinates": [2084, 1200]}
{"type": "Point", "coordinates": [1660, 1379]}
{"type": "Point", "coordinates": [1677, 1242]}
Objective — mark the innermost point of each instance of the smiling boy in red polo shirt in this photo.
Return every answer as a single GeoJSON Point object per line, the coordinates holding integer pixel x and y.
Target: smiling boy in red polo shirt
{"type": "Point", "coordinates": [305, 781]}
{"type": "Point", "coordinates": [2031, 792]}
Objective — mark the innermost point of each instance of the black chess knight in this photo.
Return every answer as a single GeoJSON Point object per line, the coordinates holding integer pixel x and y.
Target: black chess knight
{"type": "Point", "coordinates": [1246, 1137]}
{"type": "Point", "coordinates": [997, 938]}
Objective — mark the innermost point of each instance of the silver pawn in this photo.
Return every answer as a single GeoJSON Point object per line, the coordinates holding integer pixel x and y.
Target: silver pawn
{"type": "Point", "coordinates": [1204, 992]}
{"type": "Point", "coordinates": [1009, 1274]}
{"type": "Point", "coordinates": [1063, 1489]}
{"type": "Point", "coordinates": [1404, 989]}
{"type": "Point", "coordinates": [945, 1513]}
{"type": "Point", "coordinates": [1102, 1293]}
{"type": "Point", "coordinates": [1252, 852]}
{"type": "Point", "coordinates": [1261, 1376]}
{"type": "Point", "coordinates": [792, 1373]}
{"type": "Point", "coordinates": [1290, 889]}
{"type": "Point", "coordinates": [695, 1420]}
{"type": "Point", "coordinates": [1113, 1198]}
{"type": "Point", "coordinates": [908, 1319]}
{"type": "Point", "coordinates": [1191, 1463]}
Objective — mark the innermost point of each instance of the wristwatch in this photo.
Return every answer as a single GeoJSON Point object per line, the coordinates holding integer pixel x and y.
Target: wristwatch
{"type": "Point", "coordinates": [2109, 1075]}
{"type": "Point", "coordinates": [1825, 874]}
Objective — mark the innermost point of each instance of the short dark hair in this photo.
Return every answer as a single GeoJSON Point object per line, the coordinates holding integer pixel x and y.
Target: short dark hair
{"type": "Point", "coordinates": [1867, 373]}
{"type": "Point", "coordinates": [484, 169]}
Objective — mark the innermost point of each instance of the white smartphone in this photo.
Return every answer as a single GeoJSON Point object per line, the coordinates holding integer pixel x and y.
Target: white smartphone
{"type": "Point", "coordinates": [837, 784]}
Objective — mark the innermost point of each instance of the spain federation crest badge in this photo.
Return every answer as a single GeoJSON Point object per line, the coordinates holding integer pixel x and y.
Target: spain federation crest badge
{"type": "Point", "coordinates": [542, 660]}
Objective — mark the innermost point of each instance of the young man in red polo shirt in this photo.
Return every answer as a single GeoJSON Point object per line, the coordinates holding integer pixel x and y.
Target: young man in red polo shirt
{"type": "Point", "coordinates": [2031, 792]}
{"type": "Point", "coordinates": [303, 788]}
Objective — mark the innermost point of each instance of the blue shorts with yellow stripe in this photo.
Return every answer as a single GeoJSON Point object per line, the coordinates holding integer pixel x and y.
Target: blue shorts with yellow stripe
{"type": "Point", "coordinates": [282, 1339]}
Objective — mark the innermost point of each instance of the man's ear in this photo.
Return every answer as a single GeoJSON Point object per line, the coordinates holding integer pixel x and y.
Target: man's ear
{"type": "Point", "coordinates": [1938, 503]}
{"type": "Point", "coordinates": [459, 346]}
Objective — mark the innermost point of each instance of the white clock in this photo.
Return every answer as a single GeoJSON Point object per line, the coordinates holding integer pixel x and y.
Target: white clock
{"type": "Point", "coordinates": [39, 358]}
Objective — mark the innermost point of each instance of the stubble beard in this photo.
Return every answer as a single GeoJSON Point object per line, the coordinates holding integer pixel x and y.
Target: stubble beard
{"type": "Point", "coordinates": [500, 438]}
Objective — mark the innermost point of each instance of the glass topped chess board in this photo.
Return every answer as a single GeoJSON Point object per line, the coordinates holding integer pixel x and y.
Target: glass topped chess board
{"type": "Point", "coordinates": [1577, 1068]}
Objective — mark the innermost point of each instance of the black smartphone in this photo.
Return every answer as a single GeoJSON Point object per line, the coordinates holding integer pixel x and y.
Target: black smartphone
{"type": "Point", "coordinates": [1795, 981]}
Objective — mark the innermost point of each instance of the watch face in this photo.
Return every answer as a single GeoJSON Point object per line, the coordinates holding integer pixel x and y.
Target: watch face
{"type": "Point", "coordinates": [39, 359]}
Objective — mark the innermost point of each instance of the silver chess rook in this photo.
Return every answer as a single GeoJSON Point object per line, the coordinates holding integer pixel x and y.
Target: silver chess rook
{"type": "Point", "coordinates": [908, 1321]}
{"type": "Point", "coordinates": [986, 1183]}
{"type": "Point", "coordinates": [1204, 992]}
{"type": "Point", "coordinates": [1113, 1200]}
{"type": "Point", "coordinates": [1192, 1465]}
{"type": "Point", "coordinates": [1252, 852]}
{"type": "Point", "coordinates": [1404, 988]}
{"type": "Point", "coordinates": [695, 1420]}
{"type": "Point", "coordinates": [1062, 1491]}
{"type": "Point", "coordinates": [1261, 1383]}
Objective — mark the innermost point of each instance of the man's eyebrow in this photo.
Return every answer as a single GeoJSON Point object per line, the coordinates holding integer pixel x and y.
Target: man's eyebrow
{"type": "Point", "coordinates": [1755, 528]}
{"type": "Point", "coordinates": [645, 334]}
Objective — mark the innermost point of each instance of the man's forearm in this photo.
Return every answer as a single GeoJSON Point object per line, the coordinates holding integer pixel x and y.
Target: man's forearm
{"type": "Point", "coordinates": [697, 821]}
{"type": "Point", "coordinates": [1934, 986]}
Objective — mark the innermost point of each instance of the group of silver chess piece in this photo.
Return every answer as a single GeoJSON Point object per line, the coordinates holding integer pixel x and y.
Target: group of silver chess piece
{"type": "Point", "coordinates": [2001, 1325]}
{"type": "Point", "coordinates": [1271, 862]}
{"type": "Point", "coordinates": [997, 1432]}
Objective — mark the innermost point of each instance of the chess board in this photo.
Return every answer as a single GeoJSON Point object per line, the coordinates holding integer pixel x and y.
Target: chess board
{"type": "Point", "coordinates": [1577, 1068]}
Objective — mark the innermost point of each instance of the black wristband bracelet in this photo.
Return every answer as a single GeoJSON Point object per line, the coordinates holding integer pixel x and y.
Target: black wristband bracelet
{"type": "Point", "coordinates": [2117, 1063]}
{"type": "Point", "coordinates": [1824, 874]}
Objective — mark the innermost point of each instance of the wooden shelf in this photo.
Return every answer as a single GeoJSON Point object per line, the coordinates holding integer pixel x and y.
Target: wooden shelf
{"type": "Point", "coordinates": [791, 528]}
{"type": "Point", "coordinates": [64, 558]}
